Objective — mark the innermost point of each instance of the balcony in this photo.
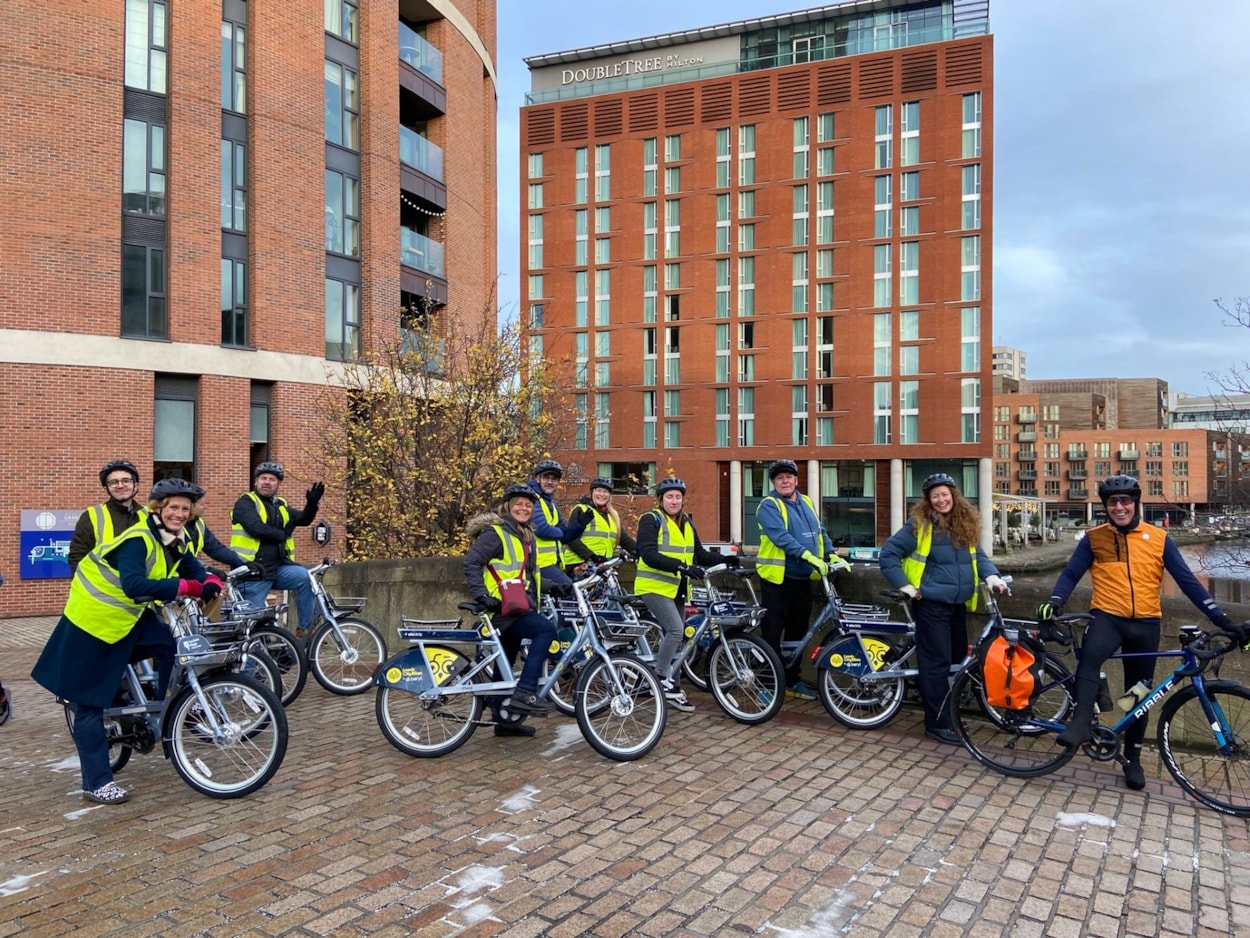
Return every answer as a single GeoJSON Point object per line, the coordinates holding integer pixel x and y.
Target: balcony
{"type": "Point", "coordinates": [1026, 436]}
{"type": "Point", "coordinates": [1026, 474]}
{"type": "Point", "coordinates": [421, 75]}
{"type": "Point", "coordinates": [419, 153]}
{"type": "Point", "coordinates": [421, 253]}
{"type": "Point", "coordinates": [1026, 418]}
{"type": "Point", "coordinates": [1078, 494]}
{"type": "Point", "coordinates": [1026, 455]}
{"type": "Point", "coordinates": [1077, 474]}
{"type": "Point", "coordinates": [420, 54]}
{"type": "Point", "coordinates": [1129, 455]}
{"type": "Point", "coordinates": [1078, 455]}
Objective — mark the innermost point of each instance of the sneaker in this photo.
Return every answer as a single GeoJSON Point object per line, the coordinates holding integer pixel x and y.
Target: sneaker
{"type": "Point", "coordinates": [799, 689]}
{"type": "Point", "coordinates": [112, 793]}
{"type": "Point", "coordinates": [676, 697]}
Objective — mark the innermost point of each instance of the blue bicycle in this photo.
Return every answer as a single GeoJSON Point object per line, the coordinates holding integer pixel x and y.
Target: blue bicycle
{"type": "Point", "coordinates": [1203, 730]}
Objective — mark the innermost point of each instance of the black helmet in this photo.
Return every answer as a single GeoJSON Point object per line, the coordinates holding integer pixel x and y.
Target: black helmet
{"type": "Point", "coordinates": [780, 466]}
{"type": "Point", "coordinates": [114, 466]}
{"type": "Point", "coordinates": [667, 485]}
{"type": "Point", "coordinates": [548, 465]}
{"type": "Point", "coordinates": [938, 478]}
{"type": "Point", "coordinates": [273, 468]}
{"type": "Point", "coordinates": [1119, 485]}
{"type": "Point", "coordinates": [167, 487]}
{"type": "Point", "coordinates": [599, 482]}
{"type": "Point", "coordinates": [518, 490]}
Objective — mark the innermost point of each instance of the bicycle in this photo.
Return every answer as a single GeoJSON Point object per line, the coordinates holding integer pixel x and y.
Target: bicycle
{"type": "Point", "coordinates": [864, 666]}
{"type": "Point", "coordinates": [344, 650]}
{"type": "Point", "coordinates": [246, 656]}
{"type": "Point", "coordinates": [1203, 731]}
{"type": "Point", "coordinates": [224, 732]}
{"type": "Point", "coordinates": [431, 696]}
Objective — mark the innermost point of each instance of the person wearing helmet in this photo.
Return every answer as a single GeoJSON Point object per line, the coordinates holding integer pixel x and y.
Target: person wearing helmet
{"type": "Point", "coordinates": [1125, 558]}
{"type": "Point", "coordinates": [550, 530]}
{"type": "Point", "coordinates": [603, 532]}
{"type": "Point", "coordinates": [670, 555]}
{"type": "Point", "coordinates": [101, 523]}
{"type": "Point", "coordinates": [109, 622]}
{"type": "Point", "coordinates": [794, 547]}
{"type": "Point", "coordinates": [937, 560]}
{"type": "Point", "coordinates": [503, 549]}
{"type": "Point", "coordinates": [261, 532]}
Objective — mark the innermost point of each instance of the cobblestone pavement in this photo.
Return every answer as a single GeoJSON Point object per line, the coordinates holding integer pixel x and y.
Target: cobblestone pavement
{"type": "Point", "coordinates": [795, 829]}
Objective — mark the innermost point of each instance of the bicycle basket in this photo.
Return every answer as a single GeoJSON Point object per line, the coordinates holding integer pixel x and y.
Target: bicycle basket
{"type": "Point", "coordinates": [348, 604]}
{"type": "Point", "coordinates": [728, 615]}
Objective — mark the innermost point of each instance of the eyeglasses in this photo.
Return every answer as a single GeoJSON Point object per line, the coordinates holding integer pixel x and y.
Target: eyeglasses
{"type": "Point", "coordinates": [119, 483]}
{"type": "Point", "coordinates": [1120, 500]}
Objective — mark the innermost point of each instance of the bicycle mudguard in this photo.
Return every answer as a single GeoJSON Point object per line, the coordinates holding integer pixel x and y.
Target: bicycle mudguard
{"type": "Point", "coordinates": [420, 669]}
{"type": "Point", "coordinates": [854, 655]}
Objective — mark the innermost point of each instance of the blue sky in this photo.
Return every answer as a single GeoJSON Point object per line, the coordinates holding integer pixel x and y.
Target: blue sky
{"type": "Point", "coordinates": [1122, 163]}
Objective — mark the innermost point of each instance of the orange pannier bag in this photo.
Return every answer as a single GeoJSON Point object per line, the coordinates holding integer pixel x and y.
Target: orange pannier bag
{"type": "Point", "coordinates": [1012, 668]}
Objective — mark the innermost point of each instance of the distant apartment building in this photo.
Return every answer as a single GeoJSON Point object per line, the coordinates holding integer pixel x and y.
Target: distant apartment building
{"type": "Point", "coordinates": [212, 206]}
{"type": "Point", "coordinates": [1010, 362]}
{"type": "Point", "coordinates": [770, 238]}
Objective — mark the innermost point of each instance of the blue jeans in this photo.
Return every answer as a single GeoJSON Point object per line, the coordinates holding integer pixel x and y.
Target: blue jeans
{"type": "Point", "coordinates": [291, 576]}
{"type": "Point", "coordinates": [542, 635]}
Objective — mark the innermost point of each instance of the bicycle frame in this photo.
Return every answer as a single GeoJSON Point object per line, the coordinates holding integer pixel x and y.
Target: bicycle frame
{"type": "Point", "coordinates": [832, 618]}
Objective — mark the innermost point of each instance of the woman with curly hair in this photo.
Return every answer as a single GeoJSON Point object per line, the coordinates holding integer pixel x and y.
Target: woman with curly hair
{"type": "Point", "coordinates": [937, 561]}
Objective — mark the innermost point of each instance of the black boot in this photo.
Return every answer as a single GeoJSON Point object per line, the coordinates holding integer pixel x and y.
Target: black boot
{"type": "Point", "coordinates": [1079, 728]}
{"type": "Point", "coordinates": [1134, 775]}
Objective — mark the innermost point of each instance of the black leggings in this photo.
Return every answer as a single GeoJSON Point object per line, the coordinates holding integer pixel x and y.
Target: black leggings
{"type": "Point", "coordinates": [1104, 635]}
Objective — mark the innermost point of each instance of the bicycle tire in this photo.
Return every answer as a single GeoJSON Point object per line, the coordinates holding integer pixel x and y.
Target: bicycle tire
{"type": "Point", "coordinates": [1188, 746]}
{"type": "Point", "coordinates": [855, 703]}
{"type": "Point", "coordinates": [625, 721]}
{"type": "Point", "coordinates": [694, 667]}
{"type": "Point", "coordinates": [564, 691]}
{"type": "Point", "coordinates": [263, 670]}
{"type": "Point", "coordinates": [245, 759]}
{"type": "Point", "coordinates": [747, 679]}
{"type": "Point", "coordinates": [1053, 703]}
{"type": "Point", "coordinates": [427, 728]}
{"type": "Point", "coordinates": [288, 654]}
{"type": "Point", "coordinates": [1010, 743]}
{"type": "Point", "coordinates": [119, 754]}
{"type": "Point", "coordinates": [346, 671]}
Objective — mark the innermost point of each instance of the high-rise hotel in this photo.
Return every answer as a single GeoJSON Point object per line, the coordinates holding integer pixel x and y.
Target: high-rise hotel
{"type": "Point", "coordinates": [770, 238]}
{"type": "Point", "coordinates": [209, 207]}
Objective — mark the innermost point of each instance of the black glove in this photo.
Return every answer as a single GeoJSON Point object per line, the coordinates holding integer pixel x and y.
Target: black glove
{"type": "Point", "coordinates": [559, 589]}
{"type": "Point", "coordinates": [1226, 623]}
{"type": "Point", "coordinates": [313, 495]}
{"type": "Point", "coordinates": [694, 573]}
{"type": "Point", "coordinates": [491, 603]}
{"type": "Point", "coordinates": [1048, 610]}
{"type": "Point", "coordinates": [255, 570]}
{"type": "Point", "coordinates": [733, 561]}
{"type": "Point", "coordinates": [211, 589]}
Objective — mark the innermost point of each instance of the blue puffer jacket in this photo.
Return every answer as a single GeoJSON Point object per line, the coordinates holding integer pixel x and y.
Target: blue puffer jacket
{"type": "Point", "coordinates": [948, 572]}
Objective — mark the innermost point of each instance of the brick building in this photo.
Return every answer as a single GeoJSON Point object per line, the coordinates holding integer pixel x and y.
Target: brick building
{"type": "Point", "coordinates": [770, 238]}
{"type": "Point", "coordinates": [207, 213]}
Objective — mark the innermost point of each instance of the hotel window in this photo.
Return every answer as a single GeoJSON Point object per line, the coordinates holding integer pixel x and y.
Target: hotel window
{"type": "Point", "coordinates": [143, 168]}
{"type": "Point", "coordinates": [798, 349]}
{"type": "Point", "coordinates": [884, 151]}
{"type": "Point", "coordinates": [603, 421]}
{"type": "Point", "coordinates": [672, 227]}
{"type": "Point", "coordinates": [881, 412]}
{"type": "Point", "coordinates": [1154, 468]}
{"type": "Point", "coordinates": [603, 219]}
{"type": "Point", "coordinates": [970, 268]}
{"type": "Point", "coordinates": [824, 431]}
{"type": "Point", "coordinates": [672, 276]}
{"type": "Point", "coordinates": [233, 67]}
{"type": "Point", "coordinates": [746, 204]}
{"type": "Point", "coordinates": [970, 410]}
{"type": "Point", "coordinates": [746, 155]}
{"type": "Point", "coordinates": [882, 205]}
{"type": "Point", "coordinates": [801, 148]}
{"type": "Point", "coordinates": [603, 250]}
{"type": "Point", "coordinates": [581, 175]}
{"type": "Point", "coordinates": [746, 368]}
{"type": "Point", "coordinates": [147, 45]}
{"type": "Point", "coordinates": [343, 218]}
{"type": "Point", "coordinates": [1154, 449]}
{"type": "Point", "coordinates": [722, 223]}
{"type": "Point", "coordinates": [909, 186]}
{"type": "Point", "coordinates": [535, 195]}
{"type": "Point", "coordinates": [672, 434]}
{"type": "Point", "coordinates": [581, 358]}
{"type": "Point", "coordinates": [603, 297]}
{"type": "Point", "coordinates": [909, 220]}
{"type": "Point", "coordinates": [581, 297]}
{"type": "Point", "coordinates": [909, 142]}
{"type": "Point", "coordinates": [722, 352]}
{"type": "Point", "coordinates": [672, 180]}
{"type": "Point", "coordinates": [173, 427]}
{"type": "Point", "coordinates": [1154, 489]}
{"type": "Point", "coordinates": [581, 408]}
{"type": "Point", "coordinates": [881, 275]}
{"type": "Point", "coordinates": [970, 338]}
{"type": "Point", "coordinates": [723, 286]}
{"type": "Point", "coordinates": [723, 155]}
{"type": "Point", "coordinates": [824, 297]}
{"type": "Point", "coordinates": [342, 320]}
{"type": "Point", "coordinates": [746, 237]}
{"type": "Point", "coordinates": [672, 360]}
{"type": "Point", "coordinates": [798, 415]}
{"type": "Point", "coordinates": [972, 196]}
{"type": "Point", "coordinates": [824, 213]}
{"type": "Point", "coordinates": [648, 419]}
{"type": "Point", "coordinates": [649, 229]}
{"type": "Point", "coordinates": [1103, 451]}
{"type": "Point", "coordinates": [1101, 469]}
{"type": "Point", "coordinates": [581, 234]}
{"type": "Point", "coordinates": [881, 333]}
{"type": "Point", "coordinates": [672, 148]}
{"type": "Point", "coordinates": [909, 360]}
{"type": "Point", "coordinates": [824, 127]}
{"type": "Point", "coordinates": [746, 286]}
{"type": "Point", "coordinates": [722, 416]}
{"type": "Point", "coordinates": [535, 289]}
{"type": "Point", "coordinates": [972, 126]}
{"type": "Point", "coordinates": [909, 412]}
{"type": "Point", "coordinates": [909, 326]}
{"type": "Point", "coordinates": [824, 263]}
{"type": "Point", "coordinates": [144, 292]}
{"type": "Point", "coordinates": [233, 302]}
{"type": "Point", "coordinates": [648, 166]}
{"type": "Point", "coordinates": [799, 214]}
{"type": "Point", "coordinates": [343, 19]}
{"type": "Point", "coordinates": [1180, 489]}
{"type": "Point", "coordinates": [909, 273]}
{"type": "Point", "coordinates": [1180, 467]}
{"type": "Point", "coordinates": [258, 429]}
{"type": "Point", "coordinates": [603, 170]}
{"type": "Point", "coordinates": [535, 166]}
{"type": "Point", "coordinates": [1180, 450]}
{"type": "Point", "coordinates": [798, 283]}
{"type": "Point", "coordinates": [648, 293]}
{"type": "Point", "coordinates": [824, 161]}
{"type": "Point", "coordinates": [824, 347]}
{"type": "Point", "coordinates": [746, 416]}
{"type": "Point", "coordinates": [342, 90]}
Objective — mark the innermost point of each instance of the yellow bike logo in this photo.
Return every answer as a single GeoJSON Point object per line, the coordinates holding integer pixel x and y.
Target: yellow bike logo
{"type": "Point", "coordinates": [393, 675]}
{"type": "Point", "coordinates": [876, 649]}
{"type": "Point", "coordinates": [441, 660]}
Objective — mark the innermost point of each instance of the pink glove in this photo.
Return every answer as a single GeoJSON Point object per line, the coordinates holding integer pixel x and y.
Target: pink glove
{"type": "Point", "coordinates": [191, 588]}
{"type": "Point", "coordinates": [210, 589]}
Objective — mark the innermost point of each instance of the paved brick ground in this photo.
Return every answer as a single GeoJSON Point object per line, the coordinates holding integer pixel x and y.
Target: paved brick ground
{"type": "Point", "coordinates": [795, 829]}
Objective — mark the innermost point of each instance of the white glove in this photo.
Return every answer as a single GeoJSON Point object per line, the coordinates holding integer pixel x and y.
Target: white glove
{"type": "Point", "coordinates": [996, 584]}
{"type": "Point", "coordinates": [909, 591]}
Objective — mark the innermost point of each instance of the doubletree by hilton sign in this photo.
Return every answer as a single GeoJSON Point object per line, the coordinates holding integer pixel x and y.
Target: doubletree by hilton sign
{"type": "Point", "coordinates": [657, 63]}
{"type": "Point", "coordinates": [627, 65]}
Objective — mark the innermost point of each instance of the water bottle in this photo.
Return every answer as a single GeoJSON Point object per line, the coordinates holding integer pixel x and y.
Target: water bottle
{"type": "Point", "coordinates": [1104, 693]}
{"type": "Point", "coordinates": [1135, 695]}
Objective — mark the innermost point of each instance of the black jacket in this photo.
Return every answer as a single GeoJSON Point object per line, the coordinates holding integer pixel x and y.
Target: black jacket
{"type": "Point", "coordinates": [582, 513]}
{"type": "Point", "coordinates": [83, 541]}
{"type": "Point", "coordinates": [272, 551]}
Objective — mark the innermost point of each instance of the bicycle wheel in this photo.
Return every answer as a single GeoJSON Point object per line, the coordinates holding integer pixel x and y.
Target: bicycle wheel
{"type": "Point", "coordinates": [1054, 702]}
{"type": "Point", "coordinates": [427, 728]}
{"type": "Point", "coordinates": [119, 754]}
{"type": "Point", "coordinates": [853, 702]}
{"type": "Point", "coordinates": [563, 691]}
{"type": "Point", "coordinates": [288, 654]}
{"type": "Point", "coordinates": [1011, 742]}
{"type": "Point", "coordinates": [622, 718]}
{"type": "Point", "coordinates": [1218, 777]}
{"type": "Point", "coordinates": [248, 747]}
{"type": "Point", "coordinates": [261, 669]}
{"type": "Point", "coordinates": [346, 670]}
{"type": "Point", "coordinates": [694, 667]}
{"type": "Point", "coordinates": [747, 679]}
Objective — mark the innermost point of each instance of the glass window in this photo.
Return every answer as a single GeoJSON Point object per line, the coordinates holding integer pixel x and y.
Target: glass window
{"type": "Point", "coordinates": [909, 273]}
{"type": "Point", "coordinates": [343, 214]}
{"type": "Point", "coordinates": [970, 268]}
{"type": "Point", "coordinates": [342, 320]}
{"type": "Point", "coordinates": [535, 195]}
{"type": "Point", "coordinates": [881, 291]}
{"type": "Point", "coordinates": [173, 428]}
{"type": "Point", "coordinates": [971, 148]}
{"type": "Point", "coordinates": [535, 165]}
{"type": "Point", "coordinates": [883, 157]}
{"type": "Point", "coordinates": [909, 220]}
{"type": "Point", "coordinates": [909, 153]}
{"type": "Point", "coordinates": [824, 161]}
{"type": "Point", "coordinates": [971, 196]}
{"type": "Point", "coordinates": [147, 45]}
{"type": "Point", "coordinates": [233, 302]}
{"type": "Point", "coordinates": [144, 292]}
{"type": "Point", "coordinates": [342, 106]}
{"type": "Point", "coordinates": [824, 128]}
{"type": "Point", "coordinates": [672, 148]}
{"type": "Point", "coordinates": [909, 325]}
{"type": "Point", "coordinates": [143, 168]}
{"type": "Point", "coordinates": [233, 67]}
{"type": "Point", "coordinates": [343, 19]}
{"type": "Point", "coordinates": [909, 186]}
